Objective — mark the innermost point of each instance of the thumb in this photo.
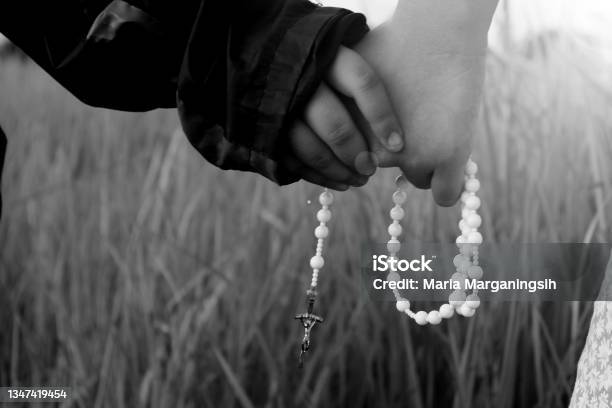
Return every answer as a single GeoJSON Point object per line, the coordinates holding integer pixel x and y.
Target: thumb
{"type": "Point", "coordinates": [448, 179]}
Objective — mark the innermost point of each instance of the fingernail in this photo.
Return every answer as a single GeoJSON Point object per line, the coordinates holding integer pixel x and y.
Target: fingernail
{"type": "Point", "coordinates": [374, 160]}
{"type": "Point", "coordinates": [366, 163]}
{"type": "Point", "coordinates": [395, 141]}
{"type": "Point", "coordinates": [369, 167]}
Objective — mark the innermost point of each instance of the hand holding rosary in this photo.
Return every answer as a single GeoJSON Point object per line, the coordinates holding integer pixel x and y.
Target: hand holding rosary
{"type": "Point", "coordinates": [466, 262]}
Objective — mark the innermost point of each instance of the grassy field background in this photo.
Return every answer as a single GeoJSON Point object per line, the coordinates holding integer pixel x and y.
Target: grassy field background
{"type": "Point", "coordinates": [139, 275]}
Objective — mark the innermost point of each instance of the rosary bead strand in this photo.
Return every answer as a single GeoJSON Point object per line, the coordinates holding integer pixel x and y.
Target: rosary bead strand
{"type": "Point", "coordinates": [309, 319]}
{"type": "Point", "coordinates": [321, 232]}
{"type": "Point", "coordinates": [466, 262]}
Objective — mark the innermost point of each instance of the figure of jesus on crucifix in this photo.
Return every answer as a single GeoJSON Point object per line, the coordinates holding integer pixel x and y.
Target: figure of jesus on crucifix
{"type": "Point", "coordinates": [308, 320]}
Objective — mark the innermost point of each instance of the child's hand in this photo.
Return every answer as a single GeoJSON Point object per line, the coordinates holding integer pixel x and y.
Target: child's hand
{"type": "Point", "coordinates": [431, 57]}
{"type": "Point", "coordinates": [328, 148]}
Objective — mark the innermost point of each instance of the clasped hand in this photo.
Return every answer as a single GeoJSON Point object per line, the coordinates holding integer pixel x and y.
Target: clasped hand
{"type": "Point", "coordinates": [407, 96]}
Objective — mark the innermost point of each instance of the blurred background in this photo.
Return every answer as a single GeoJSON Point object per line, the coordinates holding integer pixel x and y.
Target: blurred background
{"type": "Point", "coordinates": [139, 275]}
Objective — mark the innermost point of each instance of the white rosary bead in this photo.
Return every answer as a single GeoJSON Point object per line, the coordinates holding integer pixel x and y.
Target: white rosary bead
{"type": "Point", "coordinates": [395, 230]}
{"type": "Point", "coordinates": [317, 262]}
{"type": "Point", "coordinates": [472, 185]}
{"type": "Point", "coordinates": [474, 237]}
{"type": "Point", "coordinates": [462, 264]}
{"type": "Point", "coordinates": [326, 198]}
{"type": "Point", "coordinates": [473, 301]}
{"type": "Point", "coordinates": [434, 317]}
{"type": "Point", "coordinates": [464, 267]}
{"type": "Point", "coordinates": [466, 250]}
{"type": "Point", "coordinates": [473, 220]}
{"type": "Point", "coordinates": [460, 278]}
{"type": "Point", "coordinates": [324, 215]}
{"type": "Point", "coordinates": [399, 197]}
{"type": "Point", "coordinates": [397, 213]}
{"type": "Point", "coordinates": [421, 318]}
{"type": "Point", "coordinates": [402, 305]}
{"type": "Point", "coordinates": [446, 311]}
{"type": "Point", "coordinates": [471, 168]}
{"type": "Point", "coordinates": [393, 276]}
{"type": "Point", "coordinates": [475, 272]}
{"type": "Point", "coordinates": [393, 246]}
{"type": "Point", "coordinates": [466, 311]}
{"type": "Point", "coordinates": [459, 259]}
{"type": "Point", "coordinates": [321, 232]}
{"type": "Point", "coordinates": [457, 298]}
{"type": "Point", "coordinates": [472, 203]}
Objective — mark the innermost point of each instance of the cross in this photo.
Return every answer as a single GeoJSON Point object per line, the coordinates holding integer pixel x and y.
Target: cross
{"type": "Point", "coordinates": [308, 320]}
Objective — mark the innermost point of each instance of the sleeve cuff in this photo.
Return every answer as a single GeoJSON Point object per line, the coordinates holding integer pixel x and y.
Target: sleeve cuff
{"type": "Point", "coordinates": [319, 34]}
{"type": "Point", "coordinates": [267, 75]}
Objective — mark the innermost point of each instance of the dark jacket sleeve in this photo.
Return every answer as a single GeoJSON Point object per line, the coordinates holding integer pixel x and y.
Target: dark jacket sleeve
{"type": "Point", "coordinates": [239, 71]}
{"type": "Point", "coordinates": [2, 153]}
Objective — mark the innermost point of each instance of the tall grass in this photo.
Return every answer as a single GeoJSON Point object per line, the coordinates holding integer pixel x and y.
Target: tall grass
{"type": "Point", "coordinates": [139, 275]}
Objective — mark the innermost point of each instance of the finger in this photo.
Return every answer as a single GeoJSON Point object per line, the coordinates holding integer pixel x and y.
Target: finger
{"type": "Point", "coordinates": [352, 76]}
{"type": "Point", "coordinates": [447, 181]}
{"type": "Point", "coordinates": [312, 176]}
{"type": "Point", "coordinates": [313, 153]}
{"type": "Point", "coordinates": [419, 178]}
{"type": "Point", "coordinates": [418, 174]}
{"type": "Point", "coordinates": [381, 155]}
{"type": "Point", "coordinates": [330, 120]}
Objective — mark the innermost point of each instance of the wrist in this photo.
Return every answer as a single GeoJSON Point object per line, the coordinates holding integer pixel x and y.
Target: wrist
{"type": "Point", "coordinates": [453, 25]}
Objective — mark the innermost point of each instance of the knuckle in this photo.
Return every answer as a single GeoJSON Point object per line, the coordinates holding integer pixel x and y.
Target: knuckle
{"type": "Point", "coordinates": [317, 105]}
{"type": "Point", "coordinates": [341, 134]}
{"type": "Point", "coordinates": [320, 160]}
{"type": "Point", "coordinates": [367, 79]}
{"type": "Point", "coordinates": [383, 118]}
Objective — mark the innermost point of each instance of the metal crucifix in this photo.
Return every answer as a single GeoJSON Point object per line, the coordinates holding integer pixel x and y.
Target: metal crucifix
{"type": "Point", "coordinates": [308, 321]}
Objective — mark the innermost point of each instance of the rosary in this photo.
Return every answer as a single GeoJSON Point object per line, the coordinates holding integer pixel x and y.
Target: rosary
{"type": "Point", "coordinates": [466, 262]}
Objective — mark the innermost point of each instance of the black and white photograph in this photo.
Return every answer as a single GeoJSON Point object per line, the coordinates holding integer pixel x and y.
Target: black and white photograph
{"type": "Point", "coordinates": [300, 203]}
